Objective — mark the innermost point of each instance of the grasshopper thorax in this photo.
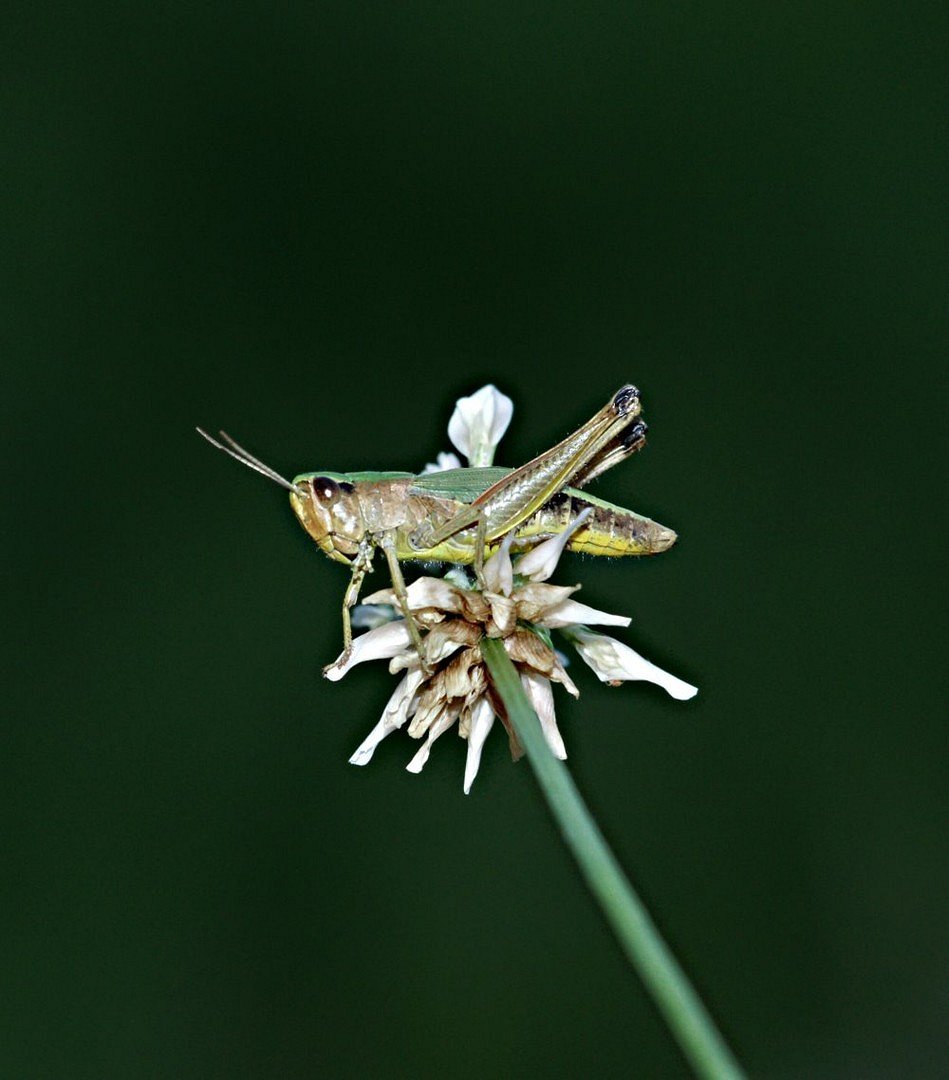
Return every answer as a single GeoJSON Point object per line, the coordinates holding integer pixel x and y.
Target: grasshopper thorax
{"type": "Point", "coordinates": [328, 508]}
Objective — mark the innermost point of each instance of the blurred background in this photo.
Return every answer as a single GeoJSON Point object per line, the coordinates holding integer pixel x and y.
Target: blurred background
{"type": "Point", "coordinates": [316, 225]}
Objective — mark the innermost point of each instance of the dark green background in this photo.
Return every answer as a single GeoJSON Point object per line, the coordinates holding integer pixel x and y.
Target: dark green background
{"type": "Point", "coordinates": [316, 225]}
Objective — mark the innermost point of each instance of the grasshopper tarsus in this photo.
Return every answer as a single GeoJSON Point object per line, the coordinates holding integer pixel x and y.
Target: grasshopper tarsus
{"type": "Point", "coordinates": [338, 662]}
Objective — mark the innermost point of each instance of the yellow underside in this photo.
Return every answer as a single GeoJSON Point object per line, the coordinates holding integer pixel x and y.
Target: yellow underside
{"type": "Point", "coordinates": [588, 541]}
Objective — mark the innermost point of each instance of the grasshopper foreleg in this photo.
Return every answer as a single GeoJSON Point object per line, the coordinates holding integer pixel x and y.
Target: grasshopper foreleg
{"type": "Point", "coordinates": [388, 544]}
{"type": "Point", "coordinates": [362, 564]}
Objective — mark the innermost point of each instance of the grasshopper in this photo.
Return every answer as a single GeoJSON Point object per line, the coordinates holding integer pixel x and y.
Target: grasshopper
{"type": "Point", "coordinates": [455, 516]}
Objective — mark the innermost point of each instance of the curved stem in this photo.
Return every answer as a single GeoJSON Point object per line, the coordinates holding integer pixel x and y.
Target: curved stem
{"type": "Point", "coordinates": [683, 1010]}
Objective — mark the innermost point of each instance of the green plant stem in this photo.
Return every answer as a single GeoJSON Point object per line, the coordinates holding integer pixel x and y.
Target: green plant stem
{"type": "Point", "coordinates": [680, 1005]}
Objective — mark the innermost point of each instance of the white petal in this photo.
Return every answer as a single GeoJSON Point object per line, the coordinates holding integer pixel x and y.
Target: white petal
{"type": "Point", "coordinates": [442, 463]}
{"type": "Point", "coordinates": [379, 644]}
{"type": "Point", "coordinates": [478, 423]}
{"type": "Point", "coordinates": [437, 647]}
{"type": "Point", "coordinates": [369, 616]}
{"type": "Point", "coordinates": [541, 697]}
{"type": "Point", "coordinates": [568, 612]}
{"type": "Point", "coordinates": [482, 720]}
{"type": "Point", "coordinates": [425, 592]}
{"type": "Point", "coordinates": [559, 675]}
{"type": "Point", "coordinates": [364, 751]}
{"type": "Point", "coordinates": [398, 707]}
{"type": "Point", "coordinates": [615, 662]}
{"type": "Point", "coordinates": [503, 613]}
{"type": "Point", "coordinates": [498, 570]}
{"type": "Point", "coordinates": [441, 725]}
{"type": "Point", "coordinates": [393, 717]}
{"type": "Point", "coordinates": [539, 563]}
{"type": "Point", "coordinates": [459, 576]}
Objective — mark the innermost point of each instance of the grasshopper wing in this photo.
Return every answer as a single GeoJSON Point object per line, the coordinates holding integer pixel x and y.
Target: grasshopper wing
{"type": "Point", "coordinates": [462, 485]}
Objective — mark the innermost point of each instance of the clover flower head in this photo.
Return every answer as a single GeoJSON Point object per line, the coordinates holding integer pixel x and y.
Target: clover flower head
{"type": "Point", "coordinates": [515, 604]}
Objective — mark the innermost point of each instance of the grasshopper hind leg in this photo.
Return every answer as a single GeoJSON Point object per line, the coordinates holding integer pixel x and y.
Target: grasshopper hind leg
{"type": "Point", "coordinates": [481, 538]}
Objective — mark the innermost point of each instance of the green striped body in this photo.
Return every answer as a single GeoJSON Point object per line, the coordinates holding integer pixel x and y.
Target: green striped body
{"type": "Point", "coordinates": [402, 502]}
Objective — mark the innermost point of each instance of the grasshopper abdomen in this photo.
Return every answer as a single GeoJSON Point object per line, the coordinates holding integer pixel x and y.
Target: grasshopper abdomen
{"type": "Point", "coordinates": [609, 531]}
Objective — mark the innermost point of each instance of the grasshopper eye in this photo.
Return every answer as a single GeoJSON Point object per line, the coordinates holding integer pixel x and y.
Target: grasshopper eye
{"type": "Point", "coordinates": [325, 489]}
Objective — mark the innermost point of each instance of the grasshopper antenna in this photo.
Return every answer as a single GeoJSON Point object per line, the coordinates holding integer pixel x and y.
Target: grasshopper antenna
{"type": "Point", "coordinates": [238, 453]}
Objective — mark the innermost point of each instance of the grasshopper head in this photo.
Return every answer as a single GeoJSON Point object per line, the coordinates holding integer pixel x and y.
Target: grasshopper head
{"type": "Point", "coordinates": [328, 508]}
{"type": "Point", "coordinates": [325, 503]}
